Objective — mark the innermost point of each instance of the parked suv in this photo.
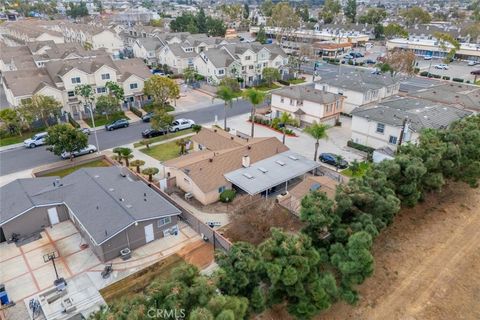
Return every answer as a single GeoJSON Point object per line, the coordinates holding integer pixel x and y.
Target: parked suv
{"type": "Point", "coordinates": [121, 123]}
{"type": "Point", "coordinates": [89, 149]}
{"type": "Point", "coordinates": [147, 117]}
{"type": "Point", "coordinates": [181, 124]}
{"type": "Point", "coordinates": [331, 158]}
{"type": "Point", "coordinates": [149, 133]}
{"type": "Point", "coordinates": [36, 140]}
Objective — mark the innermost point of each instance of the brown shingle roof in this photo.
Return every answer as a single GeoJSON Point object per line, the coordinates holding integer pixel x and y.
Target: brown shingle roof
{"type": "Point", "coordinates": [217, 139]}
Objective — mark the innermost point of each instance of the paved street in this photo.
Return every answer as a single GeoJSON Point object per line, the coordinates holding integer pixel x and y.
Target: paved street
{"type": "Point", "coordinates": [21, 158]}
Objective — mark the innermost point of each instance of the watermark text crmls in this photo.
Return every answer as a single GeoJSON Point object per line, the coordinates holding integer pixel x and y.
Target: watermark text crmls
{"type": "Point", "coordinates": [177, 314]}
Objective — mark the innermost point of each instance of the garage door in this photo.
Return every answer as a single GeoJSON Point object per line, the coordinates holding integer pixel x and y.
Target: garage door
{"type": "Point", "coordinates": [330, 122]}
{"type": "Point", "coordinates": [149, 233]}
{"type": "Point", "coordinates": [53, 216]}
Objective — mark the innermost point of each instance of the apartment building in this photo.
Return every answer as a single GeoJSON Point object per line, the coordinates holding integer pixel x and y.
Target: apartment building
{"type": "Point", "coordinates": [30, 30]}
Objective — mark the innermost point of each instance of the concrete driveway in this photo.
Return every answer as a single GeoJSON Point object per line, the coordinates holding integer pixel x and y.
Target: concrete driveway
{"type": "Point", "coordinates": [191, 100]}
{"type": "Point", "coordinates": [303, 143]}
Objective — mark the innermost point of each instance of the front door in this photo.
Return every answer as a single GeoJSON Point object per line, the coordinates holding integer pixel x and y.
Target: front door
{"type": "Point", "coordinates": [53, 216]}
{"type": "Point", "coordinates": [149, 233]}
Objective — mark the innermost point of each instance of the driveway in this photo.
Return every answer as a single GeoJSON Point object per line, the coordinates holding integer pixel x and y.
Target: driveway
{"type": "Point", "coordinates": [191, 100]}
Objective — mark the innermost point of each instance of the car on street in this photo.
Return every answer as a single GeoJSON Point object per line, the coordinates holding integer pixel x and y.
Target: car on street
{"type": "Point", "coordinates": [370, 61]}
{"type": "Point", "coordinates": [333, 160]}
{"type": "Point", "coordinates": [427, 57]}
{"type": "Point", "coordinates": [35, 141]}
{"type": "Point", "coordinates": [150, 133]}
{"type": "Point", "coordinates": [441, 66]}
{"type": "Point", "coordinates": [89, 149]}
{"type": "Point", "coordinates": [120, 123]}
{"type": "Point", "coordinates": [147, 117]}
{"type": "Point", "coordinates": [181, 124]}
{"type": "Point", "coordinates": [85, 131]}
{"type": "Point", "coordinates": [348, 56]}
{"type": "Point", "coordinates": [473, 63]}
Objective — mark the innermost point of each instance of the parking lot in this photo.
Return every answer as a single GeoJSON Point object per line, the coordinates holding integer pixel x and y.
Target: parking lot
{"type": "Point", "coordinates": [456, 69]}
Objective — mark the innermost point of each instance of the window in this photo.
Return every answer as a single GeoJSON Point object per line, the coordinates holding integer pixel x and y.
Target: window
{"type": "Point", "coordinates": [133, 86]}
{"type": "Point", "coordinates": [163, 221]}
{"type": "Point", "coordinates": [248, 58]}
{"type": "Point", "coordinates": [392, 140]}
{"type": "Point", "coordinates": [76, 80]}
{"type": "Point", "coordinates": [250, 67]}
{"type": "Point", "coordinates": [221, 71]}
{"type": "Point", "coordinates": [101, 90]}
{"type": "Point", "coordinates": [221, 189]}
{"type": "Point", "coordinates": [282, 100]}
{"type": "Point", "coordinates": [106, 76]}
{"type": "Point", "coordinates": [380, 128]}
{"type": "Point", "coordinates": [71, 94]}
{"type": "Point", "coordinates": [291, 102]}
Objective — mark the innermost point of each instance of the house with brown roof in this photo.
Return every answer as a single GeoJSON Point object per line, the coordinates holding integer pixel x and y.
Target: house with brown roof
{"type": "Point", "coordinates": [201, 173]}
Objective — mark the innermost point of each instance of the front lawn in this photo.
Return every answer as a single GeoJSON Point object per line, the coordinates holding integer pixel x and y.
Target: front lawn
{"type": "Point", "coordinates": [164, 137]}
{"type": "Point", "coordinates": [149, 107]}
{"type": "Point", "coordinates": [163, 152]}
{"type": "Point", "coordinates": [18, 138]}
{"type": "Point", "coordinates": [296, 81]}
{"type": "Point", "coordinates": [64, 172]}
{"type": "Point", "coordinates": [266, 87]}
{"type": "Point", "coordinates": [101, 120]}
{"type": "Point", "coordinates": [362, 169]}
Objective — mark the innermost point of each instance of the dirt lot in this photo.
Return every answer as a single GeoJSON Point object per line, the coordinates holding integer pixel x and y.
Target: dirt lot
{"type": "Point", "coordinates": [427, 264]}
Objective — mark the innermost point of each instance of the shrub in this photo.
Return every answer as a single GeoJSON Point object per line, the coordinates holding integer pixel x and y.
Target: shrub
{"type": "Point", "coordinates": [149, 107]}
{"type": "Point", "coordinates": [446, 78]}
{"type": "Point", "coordinates": [416, 70]}
{"type": "Point", "coordinates": [360, 147]}
{"type": "Point", "coordinates": [424, 73]}
{"type": "Point", "coordinates": [227, 195]}
{"type": "Point", "coordinates": [457, 80]}
{"type": "Point", "coordinates": [436, 76]}
{"type": "Point", "coordinates": [285, 83]}
{"type": "Point", "coordinates": [74, 123]}
{"type": "Point", "coordinates": [136, 112]}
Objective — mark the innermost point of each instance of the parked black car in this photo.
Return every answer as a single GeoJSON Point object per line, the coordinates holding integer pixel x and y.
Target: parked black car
{"type": "Point", "coordinates": [370, 61]}
{"type": "Point", "coordinates": [331, 159]}
{"type": "Point", "coordinates": [147, 117]}
{"type": "Point", "coordinates": [150, 133]}
{"type": "Point", "coordinates": [121, 123]}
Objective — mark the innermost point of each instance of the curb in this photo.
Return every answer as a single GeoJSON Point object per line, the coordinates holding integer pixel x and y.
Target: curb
{"type": "Point", "coordinates": [11, 146]}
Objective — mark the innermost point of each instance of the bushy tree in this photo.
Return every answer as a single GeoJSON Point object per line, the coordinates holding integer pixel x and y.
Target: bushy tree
{"type": "Point", "coordinates": [115, 90]}
{"type": "Point", "coordinates": [77, 10]}
{"type": "Point", "coordinates": [161, 120]}
{"type": "Point", "coordinates": [350, 10]}
{"type": "Point", "coordinates": [393, 30]}
{"type": "Point", "coordinates": [415, 15]}
{"type": "Point", "coordinates": [261, 35]}
{"type": "Point", "coordinates": [39, 107]}
{"type": "Point", "coordinates": [162, 89]}
{"type": "Point", "coordinates": [330, 10]}
{"type": "Point", "coordinates": [270, 75]}
{"type": "Point", "coordinates": [107, 105]}
{"type": "Point", "coordinates": [373, 16]}
{"type": "Point", "coordinates": [11, 121]}
{"type": "Point", "coordinates": [65, 138]}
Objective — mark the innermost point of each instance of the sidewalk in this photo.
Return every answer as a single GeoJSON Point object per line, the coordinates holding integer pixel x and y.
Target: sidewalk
{"type": "Point", "coordinates": [14, 176]}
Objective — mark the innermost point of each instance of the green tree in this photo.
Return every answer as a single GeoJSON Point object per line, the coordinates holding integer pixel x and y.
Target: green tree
{"type": "Point", "coordinates": [182, 143]}
{"type": "Point", "coordinates": [189, 74]}
{"type": "Point", "coordinates": [200, 20]}
{"type": "Point", "coordinates": [302, 12]}
{"type": "Point", "coordinates": [11, 121]}
{"type": "Point", "coordinates": [378, 31]}
{"type": "Point", "coordinates": [232, 83]}
{"type": "Point", "coordinates": [256, 98]}
{"type": "Point", "coordinates": [162, 89]}
{"type": "Point", "coordinates": [86, 93]}
{"type": "Point", "coordinates": [261, 35]}
{"type": "Point", "coordinates": [415, 15]}
{"type": "Point", "coordinates": [393, 30]}
{"type": "Point", "coordinates": [350, 10]}
{"type": "Point", "coordinates": [215, 27]}
{"type": "Point", "coordinates": [317, 131]}
{"type": "Point", "coordinates": [331, 8]}
{"type": "Point", "coordinates": [284, 16]}
{"type": "Point", "coordinates": [246, 11]}
{"type": "Point", "coordinates": [126, 154]}
{"type": "Point", "coordinates": [447, 42]}
{"type": "Point", "coordinates": [116, 90]}
{"type": "Point", "coordinates": [161, 120]}
{"type": "Point", "coordinates": [39, 107]}
{"type": "Point", "coordinates": [267, 7]}
{"type": "Point", "coordinates": [355, 263]}
{"type": "Point", "coordinates": [270, 75]}
{"type": "Point", "coordinates": [150, 172]}
{"type": "Point", "coordinates": [196, 128]}
{"type": "Point", "coordinates": [227, 95]}
{"type": "Point", "coordinates": [284, 120]}
{"type": "Point", "coordinates": [137, 164]}
{"type": "Point", "coordinates": [118, 154]}
{"type": "Point", "coordinates": [373, 16]}
{"type": "Point", "coordinates": [65, 138]}
{"type": "Point", "coordinates": [77, 10]}
{"type": "Point", "coordinates": [107, 105]}
{"type": "Point", "coordinates": [157, 23]}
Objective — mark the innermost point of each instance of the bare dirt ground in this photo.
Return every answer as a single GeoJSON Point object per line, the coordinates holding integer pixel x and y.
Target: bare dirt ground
{"type": "Point", "coordinates": [427, 264]}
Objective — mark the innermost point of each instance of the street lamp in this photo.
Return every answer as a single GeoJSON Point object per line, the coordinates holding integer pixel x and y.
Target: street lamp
{"type": "Point", "coordinates": [94, 130]}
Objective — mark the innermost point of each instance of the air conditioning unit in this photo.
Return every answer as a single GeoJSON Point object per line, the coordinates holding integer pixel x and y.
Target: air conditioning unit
{"type": "Point", "coordinates": [282, 196]}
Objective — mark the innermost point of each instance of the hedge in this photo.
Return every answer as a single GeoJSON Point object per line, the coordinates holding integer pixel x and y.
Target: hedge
{"type": "Point", "coordinates": [136, 112]}
{"type": "Point", "coordinates": [424, 73]}
{"type": "Point", "coordinates": [74, 123]}
{"type": "Point", "coordinates": [436, 76]}
{"type": "Point", "coordinates": [285, 83]}
{"type": "Point", "coordinates": [446, 78]}
{"type": "Point", "coordinates": [457, 80]}
{"type": "Point", "coordinates": [227, 195]}
{"type": "Point", "coordinates": [360, 147]}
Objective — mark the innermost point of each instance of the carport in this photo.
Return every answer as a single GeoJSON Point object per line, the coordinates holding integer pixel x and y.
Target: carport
{"type": "Point", "coordinates": [267, 174]}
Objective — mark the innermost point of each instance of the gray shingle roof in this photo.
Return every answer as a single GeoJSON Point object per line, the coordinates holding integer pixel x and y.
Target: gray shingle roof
{"type": "Point", "coordinates": [102, 200]}
{"type": "Point", "coordinates": [422, 114]}
{"type": "Point", "coordinates": [307, 93]}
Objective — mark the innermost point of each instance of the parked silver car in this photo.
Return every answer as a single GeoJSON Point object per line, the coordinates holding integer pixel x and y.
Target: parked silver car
{"type": "Point", "coordinates": [36, 140]}
{"type": "Point", "coordinates": [89, 149]}
{"type": "Point", "coordinates": [181, 124]}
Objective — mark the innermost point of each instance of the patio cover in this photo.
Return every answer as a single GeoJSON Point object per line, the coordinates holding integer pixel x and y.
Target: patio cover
{"type": "Point", "coordinates": [271, 172]}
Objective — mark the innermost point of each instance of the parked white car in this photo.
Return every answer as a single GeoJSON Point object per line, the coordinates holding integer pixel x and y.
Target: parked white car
{"type": "Point", "coordinates": [473, 63]}
{"type": "Point", "coordinates": [36, 140]}
{"type": "Point", "coordinates": [181, 124]}
{"type": "Point", "coordinates": [441, 66]}
{"type": "Point", "coordinates": [427, 57]}
{"type": "Point", "coordinates": [89, 149]}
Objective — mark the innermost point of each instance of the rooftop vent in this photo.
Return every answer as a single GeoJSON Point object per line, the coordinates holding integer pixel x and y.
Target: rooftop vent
{"type": "Point", "coordinates": [248, 175]}
{"type": "Point", "coordinates": [111, 189]}
{"type": "Point", "coordinates": [280, 162]}
{"type": "Point", "coordinates": [129, 206]}
{"type": "Point", "coordinates": [262, 169]}
{"type": "Point", "coordinates": [121, 199]}
{"type": "Point", "coordinates": [246, 161]}
{"type": "Point", "coordinates": [293, 157]}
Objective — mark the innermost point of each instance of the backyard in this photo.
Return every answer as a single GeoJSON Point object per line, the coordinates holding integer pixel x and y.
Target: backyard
{"type": "Point", "coordinates": [101, 120]}
{"type": "Point", "coordinates": [64, 172]}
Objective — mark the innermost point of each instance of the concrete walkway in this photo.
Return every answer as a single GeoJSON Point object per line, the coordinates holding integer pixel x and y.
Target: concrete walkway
{"type": "Point", "coordinates": [222, 218]}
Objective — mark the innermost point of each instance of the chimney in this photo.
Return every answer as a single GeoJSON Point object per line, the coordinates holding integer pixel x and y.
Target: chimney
{"type": "Point", "coordinates": [246, 161]}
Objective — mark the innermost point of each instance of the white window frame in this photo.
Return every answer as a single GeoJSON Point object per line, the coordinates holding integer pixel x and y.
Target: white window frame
{"type": "Point", "coordinates": [133, 86]}
{"type": "Point", "coordinates": [76, 80]}
{"type": "Point", "coordinates": [164, 221]}
{"type": "Point", "coordinates": [106, 76]}
{"type": "Point", "coordinates": [379, 124]}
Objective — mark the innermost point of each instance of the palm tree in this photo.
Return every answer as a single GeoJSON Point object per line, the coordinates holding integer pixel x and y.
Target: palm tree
{"type": "Point", "coordinates": [126, 154]}
{"type": "Point", "coordinates": [317, 131]}
{"type": "Point", "coordinates": [150, 172]}
{"type": "Point", "coordinates": [227, 95]}
{"type": "Point", "coordinates": [118, 151]}
{"type": "Point", "coordinates": [196, 128]}
{"type": "Point", "coordinates": [256, 97]}
{"type": "Point", "coordinates": [137, 163]}
{"type": "Point", "coordinates": [285, 118]}
{"type": "Point", "coordinates": [182, 143]}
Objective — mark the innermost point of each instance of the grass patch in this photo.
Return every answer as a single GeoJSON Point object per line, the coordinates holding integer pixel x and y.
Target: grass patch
{"type": "Point", "coordinates": [6, 141]}
{"type": "Point", "coordinates": [362, 169]}
{"type": "Point", "coordinates": [165, 137]}
{"type": "Point", "coordinates": [149, 107]}
{"type": "Point", "coordinates": [296, 81]}
{"type": "Point", "coordinates": [266, 87]}
{"type": "Point", "coordinates": [137, 282]}
{"type": "Point", "coordinates": [101, 120]}
{"type": "Point", "coordinates": [64, 172]}
{"type": "Point", "coordinates": [163, 152]}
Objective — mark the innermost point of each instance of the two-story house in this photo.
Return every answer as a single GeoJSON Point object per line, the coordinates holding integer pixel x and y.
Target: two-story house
{"type": "Point", "coordinates": [307, 104]}
{"type": "Point", "coordinates": [92, 36]}
{"type": "Point", "coordinates": [147, 49]}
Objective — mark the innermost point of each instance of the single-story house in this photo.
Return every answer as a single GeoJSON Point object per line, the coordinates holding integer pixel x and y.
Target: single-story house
{"type": "Point", "coordinates": [111, 209]}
